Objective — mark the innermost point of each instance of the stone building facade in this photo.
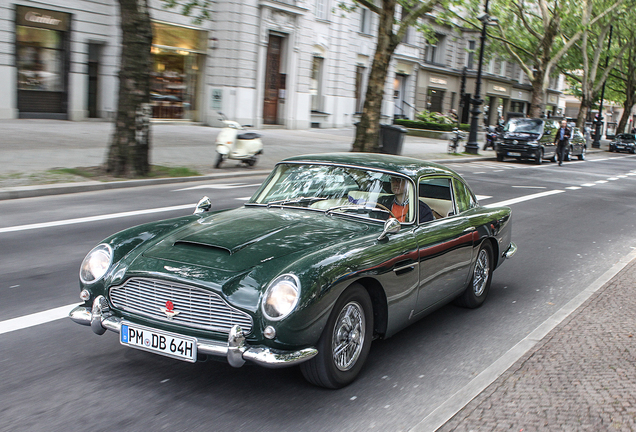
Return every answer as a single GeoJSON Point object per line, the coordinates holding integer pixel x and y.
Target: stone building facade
{"type": "Point", "coordinates": [293, 63]}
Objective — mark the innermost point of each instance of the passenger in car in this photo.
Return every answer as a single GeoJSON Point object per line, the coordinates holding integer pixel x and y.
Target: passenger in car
{"type": "Point", "coordinates": [398, 203]}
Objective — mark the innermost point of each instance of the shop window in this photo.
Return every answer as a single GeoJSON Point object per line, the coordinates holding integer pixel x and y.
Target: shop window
{"type": "Point", "coordinates": [435, 100]}
{"type": "Point", "coordinates": [315, 87]}
{"type": "Point", "coordinates": [360, 71]}
{"type": "Point", "coordinates": [40, 59]}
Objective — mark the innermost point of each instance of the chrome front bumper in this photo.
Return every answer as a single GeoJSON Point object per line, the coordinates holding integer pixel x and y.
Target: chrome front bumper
{"type": "Point", "coordinates": [512, 249]}
{"type": "Point", "coordinates": [235, 350]}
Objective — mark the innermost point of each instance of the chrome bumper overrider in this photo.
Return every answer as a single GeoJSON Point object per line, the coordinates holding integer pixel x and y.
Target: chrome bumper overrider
{"type": "Point", "coordinates": [235, 350]}
{"type": "Point", "coordinates": [512, 249]}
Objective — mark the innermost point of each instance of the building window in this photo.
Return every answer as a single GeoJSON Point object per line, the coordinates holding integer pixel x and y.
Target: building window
{"type": "Point", "coordinates": [360, 70]}
{"type": "Point", "coordinates": [321, 9]}
{"type": "Point", "coordinates": [470, 61]}
{"type": "Point", "coordinates": [366, 18]}
{"type": "Point", "coordinates": [315, 87]}
{"type": "Point", "coordinates": [40, 59]}
{"type": "Point", "coordinates": [408, 34]}
{"type": "Point", "coordinates": [502, 68]}
{"type": "Point", "coordinates": [435, 99]}
{"type": "Point", "coordinates": [434, 50]}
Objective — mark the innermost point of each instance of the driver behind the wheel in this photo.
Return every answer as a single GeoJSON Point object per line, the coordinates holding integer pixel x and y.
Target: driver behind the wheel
{"type": "Point", "coordinates": [398, 203]}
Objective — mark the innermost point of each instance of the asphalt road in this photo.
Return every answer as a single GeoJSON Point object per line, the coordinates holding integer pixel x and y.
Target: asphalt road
{"type": "Point", "coordinates": [571, 224]}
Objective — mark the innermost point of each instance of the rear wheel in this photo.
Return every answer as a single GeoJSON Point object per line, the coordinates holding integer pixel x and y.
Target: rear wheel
{"type": "Point", "coordinates": [582, 155]}
{"type": "Point", "coordinates": [345, 341]}
{"type": "Point", "coordinates": [452, 146]}
{"type": "Point", "coordinates": [568, 154]}
{"type": "Point", "coordinates": [477, 290]}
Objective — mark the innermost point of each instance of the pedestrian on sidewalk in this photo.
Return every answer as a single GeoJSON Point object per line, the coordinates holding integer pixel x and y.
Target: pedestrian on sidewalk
{"type": "Point", "coordinates": [562, 140]}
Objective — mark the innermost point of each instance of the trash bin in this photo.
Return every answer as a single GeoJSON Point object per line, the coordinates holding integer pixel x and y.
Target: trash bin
{"type": "Point", "coordinates": [391, 139]}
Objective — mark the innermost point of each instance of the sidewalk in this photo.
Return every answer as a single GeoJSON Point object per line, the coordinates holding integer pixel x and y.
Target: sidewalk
{"type": "Point", "coordinates": [579, 377]}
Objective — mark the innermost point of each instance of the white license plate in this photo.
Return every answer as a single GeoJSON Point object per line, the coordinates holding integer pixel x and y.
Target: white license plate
{"type": "Point", "coordinates": [159, 342]}
{"type": "Point", "coordinates": [514, 154]}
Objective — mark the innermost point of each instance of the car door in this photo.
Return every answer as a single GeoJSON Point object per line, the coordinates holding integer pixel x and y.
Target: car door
{"type": "Point", "coordinates": [445, 244]}
{"type": "Point", "coordinates": [547, 138]}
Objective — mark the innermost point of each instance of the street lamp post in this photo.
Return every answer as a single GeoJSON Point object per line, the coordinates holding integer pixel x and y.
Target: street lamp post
{"type": "Point", "coordinates": [597, 133]}
{"type": "Point", "coordinates": [472, 146]}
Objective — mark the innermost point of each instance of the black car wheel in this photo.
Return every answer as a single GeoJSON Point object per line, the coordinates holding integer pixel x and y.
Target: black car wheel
{"type": "Point", "coordinates": [219, 161]}
{"type": "Point", "coordinates": [611, 148]}
{"type": "Point", "coordinates": [582, 155]}
{"type": "Point", "coordinates": [500, 157]}
{"type": "Point", "coordinates": [477, 290]}
{"type": "Point", "coordinates": [539, 158]}
{"type": "Point", "coordinates": [568, 154]}
{"type": "Point", "coordinates": [345, 341]}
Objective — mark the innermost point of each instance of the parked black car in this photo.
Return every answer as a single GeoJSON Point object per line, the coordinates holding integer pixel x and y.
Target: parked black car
{"type": "Point", "coordinates": [532, 138]}
{"type": "Point", "coordinates": [528, 138]}
{"type": "Point", "coordinates": [623, 142]}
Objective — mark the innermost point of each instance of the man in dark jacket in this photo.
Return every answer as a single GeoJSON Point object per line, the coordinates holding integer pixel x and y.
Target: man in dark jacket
{"type": "Point", "coordinates": [562, 140]}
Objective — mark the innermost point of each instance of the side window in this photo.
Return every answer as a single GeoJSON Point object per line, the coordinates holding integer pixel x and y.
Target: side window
{"type": "Point", "coordinates": [463, 198]}
{"type": "Point", "coordinates": [434, 193]}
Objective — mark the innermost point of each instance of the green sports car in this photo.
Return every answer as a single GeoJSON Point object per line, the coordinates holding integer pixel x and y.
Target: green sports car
{"type": "Point", "coordinates": [331, 252]}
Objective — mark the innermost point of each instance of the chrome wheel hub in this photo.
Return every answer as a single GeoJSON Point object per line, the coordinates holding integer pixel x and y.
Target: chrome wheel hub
{"type": "Point", "coordinates": [481, 272]}
{"type": "Point", "coordinates": [348, 336]}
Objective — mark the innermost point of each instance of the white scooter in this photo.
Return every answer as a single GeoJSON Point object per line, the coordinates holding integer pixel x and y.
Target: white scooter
{"type": "Point", "coordinates": [231, 143]}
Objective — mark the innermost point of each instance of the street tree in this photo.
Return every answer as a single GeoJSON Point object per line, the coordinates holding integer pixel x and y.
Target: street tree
{"type": "Point", "coordinates": [591, 60]}
{"type": "Point", "coordinates": [390, 32]}
{"type": "Point", "coordinates": [621, 83]}
{"type": "Point", "coordinates": [129, 148]}
{"type": "Point", "coordinates": [536, 34]}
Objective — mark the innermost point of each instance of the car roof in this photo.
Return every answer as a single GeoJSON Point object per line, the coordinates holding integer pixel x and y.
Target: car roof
{"type": "Point", "coordinates": [410, 167]}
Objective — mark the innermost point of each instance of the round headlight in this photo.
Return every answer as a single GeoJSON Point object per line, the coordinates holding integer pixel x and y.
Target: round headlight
{"type": "Point", "coordinates": [96, 264]}
{"type": "Point", "coordinates": [281, 297]}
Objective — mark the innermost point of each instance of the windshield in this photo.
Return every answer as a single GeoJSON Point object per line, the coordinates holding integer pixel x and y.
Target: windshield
{"type": "Point", "coordinates": [524, 125]}
{"type": "Point", "coordinates": [337, 189]}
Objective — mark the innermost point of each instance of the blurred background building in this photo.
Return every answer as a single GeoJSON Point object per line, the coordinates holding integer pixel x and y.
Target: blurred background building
{"type": "Point", "coordinates": [292, 63]}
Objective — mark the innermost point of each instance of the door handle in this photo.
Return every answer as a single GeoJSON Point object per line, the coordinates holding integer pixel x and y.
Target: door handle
{"type": "Point", "coordinates": [469, 229]}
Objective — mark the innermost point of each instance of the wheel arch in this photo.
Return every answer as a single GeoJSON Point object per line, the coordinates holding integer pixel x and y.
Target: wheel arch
{"type": "Point", "coordinates": [379, 302]}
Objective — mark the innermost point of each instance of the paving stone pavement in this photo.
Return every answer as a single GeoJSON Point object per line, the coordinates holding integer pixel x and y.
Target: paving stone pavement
{"type": "Point", "coordinates": [580, 377]}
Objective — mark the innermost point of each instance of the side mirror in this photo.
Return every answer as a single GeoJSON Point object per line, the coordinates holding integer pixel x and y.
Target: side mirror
{"type": "Point", "coordinates": [203, 205]}
{"type": "Point", "coordinates": [391, 226]}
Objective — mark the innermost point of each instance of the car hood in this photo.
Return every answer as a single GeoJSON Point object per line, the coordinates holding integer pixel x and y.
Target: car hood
{"type": "Point", "coordinates": [524, 136]}
{"type": "Point", "coordinates": [240, 239]}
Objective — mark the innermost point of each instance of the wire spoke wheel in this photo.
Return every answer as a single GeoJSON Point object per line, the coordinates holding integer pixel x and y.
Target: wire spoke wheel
{"type": "Point", "coordinates": [348, 335]}
{"type": "Point", "coordinates": [481, 273]}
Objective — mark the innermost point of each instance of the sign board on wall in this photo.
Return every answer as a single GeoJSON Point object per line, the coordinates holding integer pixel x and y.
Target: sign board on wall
{"type": "Point", "coordinates": [216, 102]}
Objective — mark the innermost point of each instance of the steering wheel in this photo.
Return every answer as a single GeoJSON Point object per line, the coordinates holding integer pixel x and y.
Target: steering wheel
{"type": "Point", "coordinates": [383, 207]}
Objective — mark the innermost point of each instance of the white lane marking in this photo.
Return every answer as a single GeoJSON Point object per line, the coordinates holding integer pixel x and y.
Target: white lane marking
{"type": "Point", "coordinates": [94, 218]}
{"type": "Point", "coordinates": [621, 176]}
{"type": "Point", "coordinates": [482, 197]}
{"type": "Point", "coordinates": [631, 174]}
{"type": "Point", "coordinates": [244, 198]}
{"type": "Point", "coordinates": [530, 187]}
{"type": "Point", "coordinates": [573, 187]}
{"type": "Point", "coordinates": [601, 181]}
{"type": "Point", "coordinates": [612, 178]}
{"type": "Point", "coordinates": [219, 186]}
{"type": "Point", "coordinates": [34, 319]}
{"type": "Point", "coordinates": [524, 198]}
{"type": "Point", "coordinates": [480, 172]}
{"type": "Point", "coordinates": [588, 184]}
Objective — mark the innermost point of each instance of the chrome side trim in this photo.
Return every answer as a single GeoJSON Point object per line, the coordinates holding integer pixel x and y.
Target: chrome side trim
{"type": "Point", "coordinates": [406, 266]}
{"type": "Point", "coordinates": [512, 249]}
{"type": "Point", "coordinates": [235, 350]}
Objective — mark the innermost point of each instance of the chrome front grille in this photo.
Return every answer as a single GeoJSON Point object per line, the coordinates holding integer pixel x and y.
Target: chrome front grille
{"type": "Point", "coordinates": [197, 308]}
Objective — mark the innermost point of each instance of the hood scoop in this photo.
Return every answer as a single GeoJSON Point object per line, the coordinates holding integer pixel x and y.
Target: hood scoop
{"type": "Point", "coordinates": [195, 245]}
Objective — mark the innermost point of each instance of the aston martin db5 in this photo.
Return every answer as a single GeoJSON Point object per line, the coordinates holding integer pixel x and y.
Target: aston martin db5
{"type": "Point", "coordinates": [331, 252]}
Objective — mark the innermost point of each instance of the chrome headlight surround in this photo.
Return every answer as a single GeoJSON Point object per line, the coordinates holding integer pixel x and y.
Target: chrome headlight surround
{"type": "Point", "coordinates": [281, 297]}
{"type": "Point", "coordinates": [96, 263]}
{"type": "Point", "coordinates": [533, 143]}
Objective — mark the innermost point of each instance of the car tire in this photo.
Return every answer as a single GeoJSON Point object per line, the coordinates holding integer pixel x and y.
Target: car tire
{"type": "Point", "coordinates": [582, 155]}
{"type": "Point", "coordinates": [539, 158]}
{"type": "Point", "coordinates": [328, 369]}
{"type": "Point", "coordinates": [500, 157]}
{"type": "Point", "coordinates": [219, 160]}
{"type": "Point", "coordinates": [611, 149]}
{"type": "Point", "coordinates": [479, 285]}
{"type": "Point", "coordinates": [568, 154]}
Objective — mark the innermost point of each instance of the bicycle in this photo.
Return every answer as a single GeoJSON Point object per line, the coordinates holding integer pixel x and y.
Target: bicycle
{"type": "Point", "coordinates": [453, 142]}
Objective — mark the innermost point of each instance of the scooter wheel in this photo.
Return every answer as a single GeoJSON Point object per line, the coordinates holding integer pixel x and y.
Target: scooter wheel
{"type": "Point", "coordinates": [219, 161]}
{"type": "Point", "coordinates": [251, 162]}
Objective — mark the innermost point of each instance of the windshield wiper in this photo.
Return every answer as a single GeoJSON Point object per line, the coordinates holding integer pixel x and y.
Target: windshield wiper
{"type": "Point", "coordinates": [356, 207]}
{"type": "Point", "coordinates": [298, 200]}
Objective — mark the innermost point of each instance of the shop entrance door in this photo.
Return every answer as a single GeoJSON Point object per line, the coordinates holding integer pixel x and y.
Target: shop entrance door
{"type": "Point", "coordinates": [272, 80]}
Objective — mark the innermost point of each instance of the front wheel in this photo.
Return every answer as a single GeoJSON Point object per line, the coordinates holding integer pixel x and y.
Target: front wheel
{"type": "Point", "coordinates": [539, 157]}
{"type": "Point", "coordinates": [219, 160]}
{"type": "Point", "coordinates": [477, 290]}
{"type": "Point", "coordinates": [345, 341]}
{"type": "Point", "coordinates": [568, 154]}
{"type": "Point", "coordinates": [582, 155]}
{"type": "Point", "coordinates": [500, 157]}
{"type": "Point", "coordinates": [452, 146]}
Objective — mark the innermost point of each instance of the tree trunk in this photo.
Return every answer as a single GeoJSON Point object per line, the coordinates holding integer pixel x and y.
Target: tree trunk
{"type": "Point", "coordinates": [584, 109]}
{"type": "Point", "coordinates": [130, 144]}
{"type": "Point", "coordinates": [537, 102]}
{"type": "Point", "coordinates": [628, 105]}
{"type": "Point", "coordinates": [368, 129]}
